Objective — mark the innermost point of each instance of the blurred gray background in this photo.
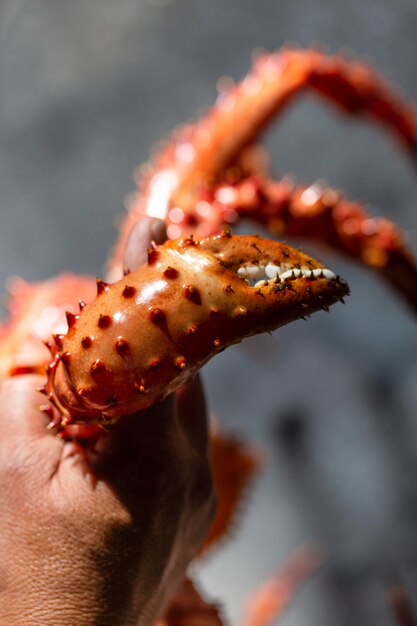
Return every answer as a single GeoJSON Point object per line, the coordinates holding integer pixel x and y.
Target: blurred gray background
{"type": "Point", "coordinates": [86, 88]}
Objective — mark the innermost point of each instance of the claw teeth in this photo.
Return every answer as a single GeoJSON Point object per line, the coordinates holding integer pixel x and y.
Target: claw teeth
{"type": "Point", "coordinates": [324, 273]}
{"type": "Point", "coordinates": [272, 271]}
{"type": "Point", "coordinates": [294, 273]}
{"type": "Point", "coordinates": [258, 275]}
{"type": "Point", "coordinates": [71, 318]}
{"type": "Point", "coordinates": [251, 271]}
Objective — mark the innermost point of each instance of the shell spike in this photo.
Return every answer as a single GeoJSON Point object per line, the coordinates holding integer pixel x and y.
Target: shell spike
{"type": "Point", "coordinates": [47, 409]}
{"type": "Point", "coordinates": [59, 340]}
{"type": "Point", "coordinates": [65, 358]}
{"type": "Point", "coordinates": [101, 286]}
{"type": "Point", "coordinates": [50, 345]}
{"type": "Point", "coordinates": [71, 318]}
{"type": "Point", "coordinates": [152, 253]}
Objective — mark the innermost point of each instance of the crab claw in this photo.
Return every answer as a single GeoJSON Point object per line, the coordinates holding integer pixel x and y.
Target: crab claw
{"type": "Point", "coordinates": [149, 333]}
{"type": "Point", "coordinates": [272, 284]}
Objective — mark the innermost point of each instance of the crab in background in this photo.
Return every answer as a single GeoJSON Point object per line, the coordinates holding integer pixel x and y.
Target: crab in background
{"type": "Point", "coordinates": [211, 174]}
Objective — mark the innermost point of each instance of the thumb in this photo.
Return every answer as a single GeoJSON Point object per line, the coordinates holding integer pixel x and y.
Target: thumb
{"type": "Point", "coordinates": [191, 405]}
{"type": "Point", "coordinates": [145, 231]}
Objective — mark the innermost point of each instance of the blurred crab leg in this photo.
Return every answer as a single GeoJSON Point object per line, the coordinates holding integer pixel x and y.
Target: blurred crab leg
{"type": "Point", "coordinates": [401, 607]}
{"type": "Point", "coordinates": [221, 147]}
{"type": "Point", "coordinates": [36, 311]}
{"type": "Point", "coordinates": [188, 608]}
{"type": "Point", "coordinates": [234, 465]}
{"type": "Point", "coordinates": [323, 215]}
{"type": "Point", "coordinates": [200, 152]}
{"type": "Point", "coordinates": [272, 598]}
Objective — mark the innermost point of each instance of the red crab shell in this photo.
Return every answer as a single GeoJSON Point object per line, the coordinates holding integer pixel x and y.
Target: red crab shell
{"type": "Point", "coordinates": [36, 311]}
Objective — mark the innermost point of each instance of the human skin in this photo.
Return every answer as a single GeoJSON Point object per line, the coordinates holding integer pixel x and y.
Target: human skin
{"type": "Point", "coordinates": [100, 537]}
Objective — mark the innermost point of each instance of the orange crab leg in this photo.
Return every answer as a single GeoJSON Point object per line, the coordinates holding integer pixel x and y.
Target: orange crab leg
{"type": "Point", "coordinates": [211, 173]}
{"type": "Point", "coordinates": [218, 146]}
{"type": "Point", "coordinates": [322, 215]}
{"type": "Point", "coordinates": [271, 599]}
{"type": "Point", "coordinates": [400, 606]}
{"type": "Point", "coordinates": [202, 152]}
{"type": "Point", "coordinates": [234, 465]}
{"type": "Point", "coordinates": [188, 608]}
{"type": "Point", "coordinates": [36, 311]}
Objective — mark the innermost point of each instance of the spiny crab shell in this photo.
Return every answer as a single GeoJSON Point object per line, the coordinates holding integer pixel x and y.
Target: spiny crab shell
{"type": "Point", "coordinates": [149, 333]}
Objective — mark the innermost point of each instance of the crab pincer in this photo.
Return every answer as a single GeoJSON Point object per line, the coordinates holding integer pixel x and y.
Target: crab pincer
{"type": "Point", "coordinates": [148, 334]}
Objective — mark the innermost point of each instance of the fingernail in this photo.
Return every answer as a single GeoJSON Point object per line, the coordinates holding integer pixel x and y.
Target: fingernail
{"type": "Point", "coordinates": [146, 230]}
{"type": "Point", "coordinates": [159, 231]}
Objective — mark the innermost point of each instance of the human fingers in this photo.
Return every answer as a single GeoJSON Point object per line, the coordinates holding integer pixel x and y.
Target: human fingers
{"type": "Point", "coordinates": [20, 407]}
{"type": "Point", "coordinates": [192, 414]}
{"type": "Point", "coordinates": [26, 447]}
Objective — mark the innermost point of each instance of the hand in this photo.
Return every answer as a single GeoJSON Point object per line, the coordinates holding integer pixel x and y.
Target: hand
{"type": "Point", "coordinates": [100, 537]}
